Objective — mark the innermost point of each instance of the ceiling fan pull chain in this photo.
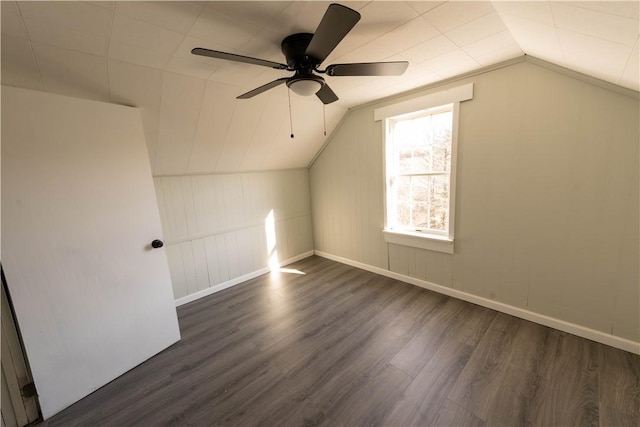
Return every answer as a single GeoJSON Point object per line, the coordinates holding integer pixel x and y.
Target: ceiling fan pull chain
{"type": "Point", "coordinates": [324, 118]}
{"type": "Point", "coordinates": [290, 116]}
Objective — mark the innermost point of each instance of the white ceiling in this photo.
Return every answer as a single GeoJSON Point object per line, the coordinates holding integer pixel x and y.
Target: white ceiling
{"type": "Point", "coordinates": [138, 53]}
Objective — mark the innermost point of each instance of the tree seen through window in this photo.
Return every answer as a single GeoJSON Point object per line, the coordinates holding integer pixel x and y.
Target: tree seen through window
{"type": "Point", "coordinates": [421, 178]}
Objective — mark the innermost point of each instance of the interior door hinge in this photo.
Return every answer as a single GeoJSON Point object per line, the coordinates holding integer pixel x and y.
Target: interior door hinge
{"type": "Point", "coordinates": [29, 390]}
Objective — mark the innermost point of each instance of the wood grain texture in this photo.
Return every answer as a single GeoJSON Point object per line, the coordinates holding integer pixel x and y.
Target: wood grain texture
{"type": "Point", "coordinates": [339, 346]}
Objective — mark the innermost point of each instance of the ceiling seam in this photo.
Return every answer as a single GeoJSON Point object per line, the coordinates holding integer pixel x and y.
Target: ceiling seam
{"type": "Point", "coordinates": [589, 35]}
{"type": "Point", "coordinates": [555, 30]}
{"type": "Point", "coordinates": [31, 49]}
{"type": "Point", "coordinates": [502, 18]}
{"type": "Point", "coordinates": [459, 47]}
{"type": "Point", "coordinates": [195, 130]}
{"type": "Point", "coordinates": [226, 130]}
{"type": "Point", "coordinates": [196, 20]}
{"type": "Point", "coordinates": [187, 34]}
{"type": "Point", "coordinates": [626, 64]}
{"type": "Point", "coordinates": [155, 160]}
{"type": "Point", "coordinates": [271, 97]}
{"type": "Point", "coordinates": [433, 8]}
{"type": "Point", "coordinates": [113, 15]}
{"type": "Point", "coordinates": [580, 6]}
{"type": "Point", "coordinates": [226, 133]}
{"type": "Point", "coordinates": [185, 38]}
{"type": "Point", "coordinates": [271, 148]}
{"type": "Point", "coordinates": [155, 24]}
{"type": "Point", "coordinates": [396, 27]}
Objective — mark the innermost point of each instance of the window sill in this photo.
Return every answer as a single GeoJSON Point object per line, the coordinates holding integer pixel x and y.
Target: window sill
{"type": "Point", "coordinates": [419, 240]}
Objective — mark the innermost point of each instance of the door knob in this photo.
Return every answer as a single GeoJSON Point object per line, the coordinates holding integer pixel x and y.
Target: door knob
{"type": "Point", "coordinates": [157, 244]}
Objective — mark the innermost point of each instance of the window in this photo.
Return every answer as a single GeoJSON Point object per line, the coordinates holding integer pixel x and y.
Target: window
{"type": "Point", "coordinates": [419, 171]}
{"type": "Point", "coordinates": [420, 144]}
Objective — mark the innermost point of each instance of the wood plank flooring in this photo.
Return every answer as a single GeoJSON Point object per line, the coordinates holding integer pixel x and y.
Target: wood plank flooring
{"type": "Point", "coordinates": [339, 346]}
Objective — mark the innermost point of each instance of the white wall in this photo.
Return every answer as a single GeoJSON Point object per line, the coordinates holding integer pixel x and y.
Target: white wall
{"type": "Point", "coordinates": [547, 199]}
{"type": "Point", "coordinates": [216, 226]}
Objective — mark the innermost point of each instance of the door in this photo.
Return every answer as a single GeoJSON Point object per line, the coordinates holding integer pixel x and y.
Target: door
{"type": "Point", "coordinates": [19, 406]}
{"type": "Point", "coordinates": [92, 297]}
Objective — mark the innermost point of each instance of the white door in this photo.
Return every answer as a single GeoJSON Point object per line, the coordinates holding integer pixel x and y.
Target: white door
{"type": "Point", "coordinates": [92, 298]}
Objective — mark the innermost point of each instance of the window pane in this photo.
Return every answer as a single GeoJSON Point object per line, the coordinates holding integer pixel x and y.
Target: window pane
{"type": "Point", "coordinates": [420, 215]}
{"type": "Point", "coordinates": [404, 212]}
{"type": "Point", "coordinates": [420, 188]}
{"type": "Point", "coordinates": [439, 203]}
{"type": "Point", "coordinates": [423, 144]}
{"type": "Point", "coordinates": [422, 202]}
{"type": "Point", "coordinates": [402, 189]}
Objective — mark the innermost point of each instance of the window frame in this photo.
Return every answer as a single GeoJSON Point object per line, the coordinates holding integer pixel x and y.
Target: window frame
{"type": "Point", "coordinates": [391, 202]}
{"type": "Point", "coordinates": [424, 239]}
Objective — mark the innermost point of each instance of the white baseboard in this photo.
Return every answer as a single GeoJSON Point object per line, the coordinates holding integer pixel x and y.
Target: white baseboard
{"type": "Point", "coordinates": [572, 328]}
{"type": "Point", "coordinates": [237, 280]}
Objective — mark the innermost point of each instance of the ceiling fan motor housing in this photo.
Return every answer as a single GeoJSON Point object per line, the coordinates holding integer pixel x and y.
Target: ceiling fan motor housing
{"type": "Point", "coordinates": [294, 48]}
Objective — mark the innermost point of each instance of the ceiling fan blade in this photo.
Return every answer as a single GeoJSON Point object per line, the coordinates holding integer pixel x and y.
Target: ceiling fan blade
{"type": "Point", "coordinates": [368, 69]}
{"type": "Point", "coordinates": [337, 21]}
{"type": "Point", "coordinates": [326, 95]}
{"type": "Point", "coordinates": [238, 58]}
{"type": "Point", "coordinates": [263, 88]}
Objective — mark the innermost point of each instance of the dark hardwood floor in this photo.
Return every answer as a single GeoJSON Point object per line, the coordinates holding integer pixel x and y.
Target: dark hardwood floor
{"type": "Point", "coordinates": [339, 346]}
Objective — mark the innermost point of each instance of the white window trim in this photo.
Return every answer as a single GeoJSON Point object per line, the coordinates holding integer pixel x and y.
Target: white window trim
{"type": "Point", "coordinates": [424, 240]}
{"type": "Point", "coordinates": [419, 240]}
{"type": "Point", "coordinates": [449, 96]}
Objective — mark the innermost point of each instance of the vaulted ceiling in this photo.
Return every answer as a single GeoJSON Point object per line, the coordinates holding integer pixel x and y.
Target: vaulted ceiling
{"type": "Point", "coordinates": [138, 54]}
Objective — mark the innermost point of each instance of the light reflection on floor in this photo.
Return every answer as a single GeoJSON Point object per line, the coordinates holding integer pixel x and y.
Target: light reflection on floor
{"type": "Point", "coordinates": [287, 270]}
{"type": "Point", "coordinates": [281, 308]}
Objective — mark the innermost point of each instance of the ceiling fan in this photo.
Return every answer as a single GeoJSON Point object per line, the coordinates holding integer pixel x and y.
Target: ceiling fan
{"type": "Point", "coordinates": [304, 52]}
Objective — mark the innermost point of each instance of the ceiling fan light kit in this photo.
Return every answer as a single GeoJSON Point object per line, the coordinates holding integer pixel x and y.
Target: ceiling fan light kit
{"type": "Point", "coordinates": [304, 52]}
{"type": "Point", "coordinates": [305, 86]}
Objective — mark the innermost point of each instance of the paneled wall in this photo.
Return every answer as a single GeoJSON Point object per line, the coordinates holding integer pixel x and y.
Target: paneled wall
{"type": "Point", "coordinates": [547, 198]}
{"type": "Point", "coordinates": [346, 192]}
{"type": "Point", "coordinates": [223, 227]}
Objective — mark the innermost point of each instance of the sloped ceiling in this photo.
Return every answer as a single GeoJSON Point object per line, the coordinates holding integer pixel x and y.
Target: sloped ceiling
{"type": "Point", "coordinates": [138, 54]}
